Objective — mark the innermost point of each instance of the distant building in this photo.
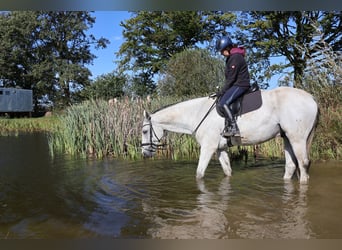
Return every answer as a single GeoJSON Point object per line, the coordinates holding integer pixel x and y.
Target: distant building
{"type": "Point", "coordinates": [14, 100]}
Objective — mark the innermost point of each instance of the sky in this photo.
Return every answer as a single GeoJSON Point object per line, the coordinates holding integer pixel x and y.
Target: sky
{"type": "Point", "coordinates": [107, 25]}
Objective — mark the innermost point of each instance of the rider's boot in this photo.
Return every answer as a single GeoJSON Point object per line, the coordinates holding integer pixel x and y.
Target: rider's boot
{"type": "Point", "coordinates": [231, 128]}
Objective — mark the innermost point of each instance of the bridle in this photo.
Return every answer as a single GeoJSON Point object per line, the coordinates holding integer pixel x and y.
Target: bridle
{"type": "Point", "coordinates": [153, 146]}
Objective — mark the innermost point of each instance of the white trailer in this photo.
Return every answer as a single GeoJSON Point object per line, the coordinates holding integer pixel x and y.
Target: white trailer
{"type": "Point", "coordinates": [14, 100]}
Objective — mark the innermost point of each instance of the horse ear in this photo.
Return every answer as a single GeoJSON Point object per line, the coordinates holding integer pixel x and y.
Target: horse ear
{"type": "Point", "coordinates": [147, 115]}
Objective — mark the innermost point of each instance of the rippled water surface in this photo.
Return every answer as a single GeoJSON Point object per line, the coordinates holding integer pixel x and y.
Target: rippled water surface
{"type": "Point", "coordinates": [61, 197]}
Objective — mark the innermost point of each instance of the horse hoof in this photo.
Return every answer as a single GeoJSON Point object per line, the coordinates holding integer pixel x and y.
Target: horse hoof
{"type": "Point", "coordinates": [199, 176]}
{"type": "Point", "coordinates": [304, 180]}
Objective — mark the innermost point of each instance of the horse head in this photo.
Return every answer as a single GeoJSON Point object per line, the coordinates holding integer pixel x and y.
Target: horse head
{"type": "Point", "coordinates": [151, 136]}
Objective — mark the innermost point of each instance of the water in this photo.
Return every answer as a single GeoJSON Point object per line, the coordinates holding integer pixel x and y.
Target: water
{"type": "Point", "coordinates": [62, 197]}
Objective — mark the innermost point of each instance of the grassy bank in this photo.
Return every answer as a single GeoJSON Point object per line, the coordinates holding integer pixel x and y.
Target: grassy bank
{"type": "Point", "coordinates": [97, 128]}
{"type": "Point", "coordinates": [17, 125]}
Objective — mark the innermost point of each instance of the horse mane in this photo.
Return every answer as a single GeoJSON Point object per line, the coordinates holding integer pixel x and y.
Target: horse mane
{"type": "Point", "coordinates": [166, 106]}
{"type": "Point", "coordinates": [173, 104]}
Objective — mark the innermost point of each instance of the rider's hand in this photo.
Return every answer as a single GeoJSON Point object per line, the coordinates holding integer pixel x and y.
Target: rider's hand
{"type": "Point", "coordinates": [213, 95]}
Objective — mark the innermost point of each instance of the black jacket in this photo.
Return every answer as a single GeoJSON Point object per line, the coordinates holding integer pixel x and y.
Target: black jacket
{"type": "Point", "coordinates": [236, 71]}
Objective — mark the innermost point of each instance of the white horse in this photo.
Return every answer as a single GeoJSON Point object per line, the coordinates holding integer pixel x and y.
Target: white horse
{"type": "Point", "coordinates": [290, 112]}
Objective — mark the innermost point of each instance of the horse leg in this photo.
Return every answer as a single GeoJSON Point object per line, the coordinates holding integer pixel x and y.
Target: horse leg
{"type": "Point", "coordinates": [225, 162]}
{"type": "Point", "coordinates": [303, 161]}
{"type": "Point", "coordinates": [290, 160]}
{"type": "Point", "coordinates": [205, 156]}
{"type": "Point", "coordinates": [300, 152]}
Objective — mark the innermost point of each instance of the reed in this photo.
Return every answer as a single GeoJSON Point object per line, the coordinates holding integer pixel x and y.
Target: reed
{"type": "Point", "coordinates": [99, 128]}
{"type": "Point", "coordinates": [271, 149]}
{"type": "Point", "coordinates": [327, 143]}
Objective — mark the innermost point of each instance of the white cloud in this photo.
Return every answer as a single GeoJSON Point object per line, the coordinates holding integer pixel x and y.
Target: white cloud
{"type": "Point", "coordinates": [117, 38]}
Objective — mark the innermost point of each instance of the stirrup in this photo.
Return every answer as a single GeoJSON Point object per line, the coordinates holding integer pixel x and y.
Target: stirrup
{"type": "Point", "coordinates": [236, 133]}
{"type": "Point", "coordinates": [231, 131]}
{"type": "Point", "coordinates": [230, 134]}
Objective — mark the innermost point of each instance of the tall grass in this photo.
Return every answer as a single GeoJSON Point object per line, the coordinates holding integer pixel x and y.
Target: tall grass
{"type": "Point", "coordinates": [98, 128]}
{"type": "Point", "coordinates": [327, 143]}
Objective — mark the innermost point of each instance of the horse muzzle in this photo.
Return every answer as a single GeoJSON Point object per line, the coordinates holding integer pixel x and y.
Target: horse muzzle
{"type": "Point", "coordinates": [148, 152]}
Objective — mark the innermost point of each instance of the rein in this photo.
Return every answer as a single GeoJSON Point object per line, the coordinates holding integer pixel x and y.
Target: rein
{"type": "Point", "coordinates": [206, 115]}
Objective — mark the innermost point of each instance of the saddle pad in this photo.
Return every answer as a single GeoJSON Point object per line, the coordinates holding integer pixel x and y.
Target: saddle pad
{"type": "Point", "coordinates": [251, 102]}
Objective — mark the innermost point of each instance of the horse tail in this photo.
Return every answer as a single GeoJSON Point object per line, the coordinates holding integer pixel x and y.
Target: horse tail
{"type": "Point", "coordinates": [312, 132]}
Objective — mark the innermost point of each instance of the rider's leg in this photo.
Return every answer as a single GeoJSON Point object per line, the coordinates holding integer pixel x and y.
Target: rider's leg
{"type": "Point", "coordinates": [229, 97]}
{"type": "Point", "coordinates": [232, 129]}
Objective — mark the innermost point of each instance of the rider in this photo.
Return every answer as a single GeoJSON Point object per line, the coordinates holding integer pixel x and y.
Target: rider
{"type": "Point", "coordinates": [236, 84]}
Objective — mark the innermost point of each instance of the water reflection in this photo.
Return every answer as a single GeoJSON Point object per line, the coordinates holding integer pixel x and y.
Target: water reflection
{"type": "Point", "coordinates": [206, 221]}
{"type": "Point", "coordinates": [295, 222]}
{"type": "Point", "coordinates": [282, 217]}
{"type": "Point", "coordinates": [255, 204]}
{"type": "Point", "coordinates": [271, 210]}
{"type": "Point", "coordinates": [226, 212]}
{"type": "Point", "coordinates": [62, 197]}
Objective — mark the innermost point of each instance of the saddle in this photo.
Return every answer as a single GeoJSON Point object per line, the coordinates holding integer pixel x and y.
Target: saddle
{"type": "Point", "coordinates": [248, 102]}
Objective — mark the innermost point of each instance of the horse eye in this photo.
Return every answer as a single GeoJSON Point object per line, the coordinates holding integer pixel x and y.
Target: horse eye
{"type": "Point", "coordinates": [144, 132]}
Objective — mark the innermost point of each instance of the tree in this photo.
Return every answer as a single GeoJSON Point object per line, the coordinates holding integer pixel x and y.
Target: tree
{"type": "Point", "coordinates": [106, 86]}
{"type": "Point", "coordinates": [47, 52]}
{"type": "Point", "coordinates": [323, 73]}
{"type": "Point", "coordinates": [18, 33]}
{"type": "Point", "coordinates": [152, 38]}
{"type": "Point", "coordinates": [193, 72]}
{"type": "Point", "coordinates": [141, 84]}
{"type": "Point", "coordinates": [289, 34]}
